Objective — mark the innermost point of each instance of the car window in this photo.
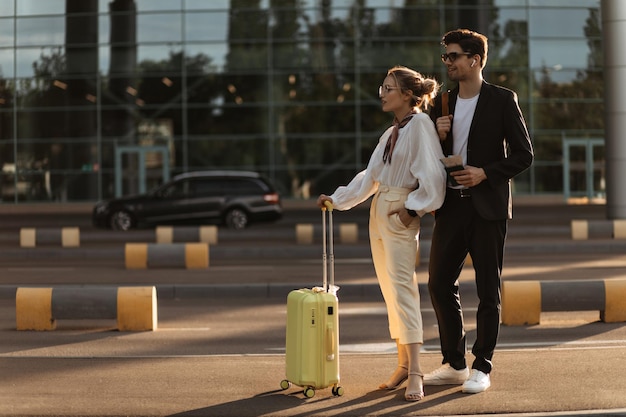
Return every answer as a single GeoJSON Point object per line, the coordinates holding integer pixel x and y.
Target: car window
{"type": "Point", "coordinates": [209, 187]}
{"type": "Point", "coordinates": [179, 189]}
{"type": "Point", "coordinates": [243, 186]}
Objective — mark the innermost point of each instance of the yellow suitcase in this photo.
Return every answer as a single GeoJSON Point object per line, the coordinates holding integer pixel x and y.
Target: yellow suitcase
{"type": "Point", "coordinates": [312, 341]}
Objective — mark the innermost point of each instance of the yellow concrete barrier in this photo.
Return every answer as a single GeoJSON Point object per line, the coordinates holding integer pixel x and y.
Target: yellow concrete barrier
{"type": "Point", "coordinates": [33, 309]}
{"type": "Point", "coordinates": [136, 255]}
{"type": "Point", "coordinates": [584, 229]}
{"type": "Point", "coordinates": [524, 301]}
{"type": "Point", "coordinates": [615, 304]}
{"type": "Point", "coordinates": [348, 233]}
{"type": "Point", "coordinates": [619, 229]}
{"type": "Point", "coordinates": [521, 302]}
{"type": "Point", "coordinates": [135, 308]}
{"type": "Point", "coordinates": [184, 234]}
{"type": "Point", "coordinates": [166, 255]}
{"type": "Point", "coordinates": [580, 230]}
{"type": "Point", "coordinates": [304, 234]}
{"type": "Point", "coordinates": [67, 237]}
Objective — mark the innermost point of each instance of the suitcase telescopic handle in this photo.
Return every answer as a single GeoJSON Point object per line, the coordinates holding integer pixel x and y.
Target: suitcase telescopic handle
{"type": "Point", "coordinates": [327, 234]}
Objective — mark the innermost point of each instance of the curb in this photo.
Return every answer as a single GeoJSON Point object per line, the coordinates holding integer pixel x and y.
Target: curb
{"type": "Point", "coordinates": [282, 251]}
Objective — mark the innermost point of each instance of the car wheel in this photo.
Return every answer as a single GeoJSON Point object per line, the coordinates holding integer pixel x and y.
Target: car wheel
{"type": "Point", "coordinates": [121, 220]}
{"type": "Point", "coordinates": [236, 219]}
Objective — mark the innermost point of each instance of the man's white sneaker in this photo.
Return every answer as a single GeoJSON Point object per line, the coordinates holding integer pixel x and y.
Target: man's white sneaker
{"type": "Point", "coordinates": [446, 375]}
{"type": "Point", "coordinates": [477, 382]}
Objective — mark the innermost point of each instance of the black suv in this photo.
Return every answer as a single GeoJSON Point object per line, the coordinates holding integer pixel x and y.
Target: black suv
{"type": "Point", "coordinates": [233, 198]}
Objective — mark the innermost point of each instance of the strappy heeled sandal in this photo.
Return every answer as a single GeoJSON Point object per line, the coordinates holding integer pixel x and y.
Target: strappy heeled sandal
{"type": "Point", "coordinates": [389, 384]}
{"type": "Point", "coordinates": [414, 395]}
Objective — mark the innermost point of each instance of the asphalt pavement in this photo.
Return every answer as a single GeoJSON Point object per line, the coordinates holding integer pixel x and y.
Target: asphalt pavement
{"type": "Point", "coordinates": [92, 372]}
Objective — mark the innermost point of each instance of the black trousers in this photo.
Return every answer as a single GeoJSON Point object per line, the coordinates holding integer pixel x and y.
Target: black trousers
{"type": "Point", "coordinates": [459, 230]}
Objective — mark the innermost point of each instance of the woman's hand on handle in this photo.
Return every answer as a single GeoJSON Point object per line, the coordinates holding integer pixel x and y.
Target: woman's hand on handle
{"type": "Point", "coordinates": [322, 199]}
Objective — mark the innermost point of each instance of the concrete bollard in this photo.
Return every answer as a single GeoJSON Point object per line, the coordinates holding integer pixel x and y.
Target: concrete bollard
{"type": "Point", "coordinates": [304, 234]}
{"type": "Point", "coordinates": [348, 233]}
{"type": "Point", "coordinates": [523, 301]}
{"type": "Point", "coordinates": [171, 234]}
{"type": "Point", "coordinates": [67, 237]}
{"type": "Point", "coordinates": [134, 308]}
{"type": "Point", "coordinates": [167, 255]}
{"type": "Point", "coordinates": [583, 229]}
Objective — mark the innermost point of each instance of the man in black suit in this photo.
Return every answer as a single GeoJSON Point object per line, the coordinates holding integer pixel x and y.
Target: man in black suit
{"type": "Point", "coordinates": [486, 128]}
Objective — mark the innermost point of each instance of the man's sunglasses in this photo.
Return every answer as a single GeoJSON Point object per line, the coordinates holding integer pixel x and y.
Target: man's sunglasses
{"type": "Point", "coordinates": [452, 56]}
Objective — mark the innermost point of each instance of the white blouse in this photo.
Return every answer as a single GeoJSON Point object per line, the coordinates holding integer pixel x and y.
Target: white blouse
{"type": "Point", "coordinates": [415, 160]}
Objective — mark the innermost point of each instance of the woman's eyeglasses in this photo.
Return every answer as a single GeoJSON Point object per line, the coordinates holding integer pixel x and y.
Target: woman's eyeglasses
{"type": "Point", "coordinates": [386, 89]}
{"type": "Point", "coordinates": [452, 56]}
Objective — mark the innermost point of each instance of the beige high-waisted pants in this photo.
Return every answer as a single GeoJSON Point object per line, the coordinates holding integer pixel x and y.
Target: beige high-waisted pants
{"type": "Point", "coordinates": [394, 248]}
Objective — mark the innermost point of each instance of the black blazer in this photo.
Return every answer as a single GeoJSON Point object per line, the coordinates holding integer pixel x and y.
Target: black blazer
{"type": "Point", "coordinates": [498, 142]}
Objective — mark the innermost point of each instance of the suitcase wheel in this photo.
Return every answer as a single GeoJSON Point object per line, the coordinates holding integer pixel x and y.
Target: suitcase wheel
{"type": "Point", "coordinates": [338, 391]}
{"type": "Point", "coordinates": [284, 384]}
{"type": "Point", "coordinates": [309, 392]}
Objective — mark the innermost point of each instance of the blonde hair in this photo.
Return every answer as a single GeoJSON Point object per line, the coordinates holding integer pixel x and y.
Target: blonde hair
{"type": "Point", "coordinates": [423, 89]}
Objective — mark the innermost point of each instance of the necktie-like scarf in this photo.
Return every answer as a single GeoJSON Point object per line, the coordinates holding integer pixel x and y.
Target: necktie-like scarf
{"type": "Point", "coordinates": [391, 142]}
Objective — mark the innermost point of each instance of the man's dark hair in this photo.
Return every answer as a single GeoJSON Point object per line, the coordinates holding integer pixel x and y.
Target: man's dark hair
{"type": "Point", "coordinates": [469, 41]}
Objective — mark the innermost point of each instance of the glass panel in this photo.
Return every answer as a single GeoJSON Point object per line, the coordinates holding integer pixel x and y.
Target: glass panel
{"type": "Point", "coordinates": [7, 7]}
{"type": "Point", "coordinates": [512, 79]}
{"type": "Point", "coordinates": [217, 54]}
{"type": "Point", "coordinates": [562, 22]}
{"type": "Point", "coordinates": [36, 7]}
{"type": "Point", "coordinates": [228, 153]}
{"type": "Point", "coordinates": [521, 183]}
{"type": "Point", "coordinates": [559, 54]}
{"type": "Point", "coordinates": [562, 114]}
{"type": "Point", "coordinates": [599, 171]}
{"type": "Point", "coordinates": [156, 58]}
{"type": "Point", "coordinates": [40, 31]}
{"type": "Point", "coordinates": [207, 5]}
{"type": "Point", "coordinates": [151, 5]}
{"type": "Point", "coordinates": [549, 177]}
{"type": "Point", "coordinates": [6, 31]}
{"type": "Point", "coordinates": [548, 147]}
{"type": "Point", "coordinates": [206, 26]}
{"type": "Point", "coordinates": [247, 25]}
{"type": "Point", "coordinates": [159, 27]}
{"type": "Point", "coordinates": [559, 3]}
{"type": "Point", "coordinates": [246, 57]}
{"type": "Point", "coordinates": [6, 64]}
{"type": "Point", "coordinates": [104, 29]}
{"type": "Point", "coordinates": [578, 170]}
{"type": "Point", "coordinates": [30, 183]}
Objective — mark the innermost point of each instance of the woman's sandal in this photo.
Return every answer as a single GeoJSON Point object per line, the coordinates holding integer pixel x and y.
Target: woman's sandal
{"type": "Point", "coordinates": [415, 395]}
{"type": "Point", "coordinates": [389, 385]}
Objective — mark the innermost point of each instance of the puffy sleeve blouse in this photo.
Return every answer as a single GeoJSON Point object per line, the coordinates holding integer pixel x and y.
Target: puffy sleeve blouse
{"type": "Point", "coordinates": [415, 164]}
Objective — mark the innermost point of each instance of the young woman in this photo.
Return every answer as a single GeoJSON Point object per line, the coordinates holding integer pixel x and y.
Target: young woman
{"type": "Point", "coordinates": [408, 180]}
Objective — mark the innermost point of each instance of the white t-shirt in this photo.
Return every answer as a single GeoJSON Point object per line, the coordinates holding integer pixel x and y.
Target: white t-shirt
{"type": "Point", "coordinates": [463, 115]}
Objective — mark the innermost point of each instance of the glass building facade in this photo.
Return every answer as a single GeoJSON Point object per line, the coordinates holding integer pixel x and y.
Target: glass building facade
{"type": "Point", "coordinates": [108, 97]}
